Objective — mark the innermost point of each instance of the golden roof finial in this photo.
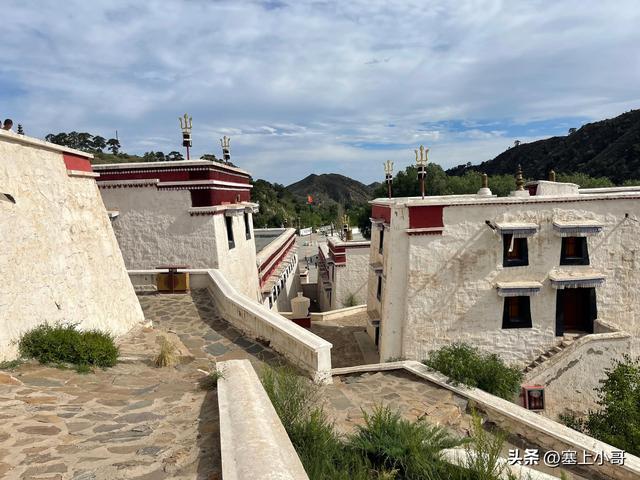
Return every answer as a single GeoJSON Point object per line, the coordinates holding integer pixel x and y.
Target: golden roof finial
{"type": "Point", "coordinates": [187, 125]}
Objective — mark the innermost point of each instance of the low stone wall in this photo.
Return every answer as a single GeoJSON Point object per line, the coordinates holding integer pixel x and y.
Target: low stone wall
{"type": "Point", "coordinates": [535, 429]}
{"type": "Point", "coordinates": [253, 442]}
{"type": "Point", "coordinates": [338, 314]}
{"type": "Point", "coordinates": [570, 377]}
{"type": "Point", "coordinates": [301, 347]}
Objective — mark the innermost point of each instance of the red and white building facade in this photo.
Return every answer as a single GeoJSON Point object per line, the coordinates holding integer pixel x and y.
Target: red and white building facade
{"type": "Point", "coordinates": [342, 273]}
{"type": "Point", "coordinates": [195, 213]}
{"type": "Point", "coordinates": [510, 275]}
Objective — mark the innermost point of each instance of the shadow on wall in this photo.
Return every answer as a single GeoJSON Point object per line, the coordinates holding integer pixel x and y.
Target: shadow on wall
{"type": "Point", "coordinates": [209, 458]}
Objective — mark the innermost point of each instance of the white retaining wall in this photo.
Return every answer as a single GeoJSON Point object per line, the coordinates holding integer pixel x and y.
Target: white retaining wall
{"type": "Point", "coordinates": [301, 347]}
{"type": "Point", "coordinates": [570, 377]}
{"type": "Point", "coordinates": [253, 442]}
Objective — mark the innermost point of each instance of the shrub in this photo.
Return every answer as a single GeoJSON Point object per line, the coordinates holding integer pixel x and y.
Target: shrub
{"type": "Point", "coordinates": [467, 365]}
{"type": "Point", "coordinates": [350, 301]}
{"type": "Point", "coordinates": [391, 443]}
{"type": "Point", "coordinates": [617, 422]}
{"type": "Point", "coordinates": [61, 344]}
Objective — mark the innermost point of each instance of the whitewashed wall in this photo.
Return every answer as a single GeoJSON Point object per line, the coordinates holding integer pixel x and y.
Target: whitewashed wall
{"type": "Point", "coordinates": [154, 228]}
{"type": "Point", "coordinates": [441, 289]}
{"type": "Point", "coordinates": [60, 261]}
{"type": "Point", "coordinates": [351, 278]}
{"type": "Point", "coordinates": [571, 377]}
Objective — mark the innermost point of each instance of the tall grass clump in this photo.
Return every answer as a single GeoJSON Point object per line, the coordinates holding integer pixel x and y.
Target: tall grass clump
{"type": "Point", "coordinates": [350, 301]}
{"type": "Point", "coordinates": [64, 344]}
{"type": "Point", "coordinates": [410, 449]}
{"type": "Point", "coordinates": [465, 364]}
{"type": "Point", "coordinates": [167, 355]}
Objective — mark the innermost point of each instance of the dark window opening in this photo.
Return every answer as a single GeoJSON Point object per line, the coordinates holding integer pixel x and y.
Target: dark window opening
{"type": "Point", "coordinates": [574, 251]}
{"type": "Point", "coordinates": [576, 310]}
{"type": "Point", "coordinates": [381, 240]}
{"type": "Point", "coordinates": [515, 251]}
{"type": "Point", "coordinates": [247, 226]}
{"type": "Point", "coordinates": [516, 313]}
{"type": "Point", "coordinates": [229, 223]}
{"type": "Point", "coordinates": [379, 290]}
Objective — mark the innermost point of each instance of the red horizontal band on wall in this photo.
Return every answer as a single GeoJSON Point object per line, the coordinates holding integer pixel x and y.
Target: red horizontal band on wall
{"type": "Point", "coordinates": [380, 212]}
{"type": "Point", "coordinates": [76, 162]}
{"type": "Point", "coordinates": [428, 216]}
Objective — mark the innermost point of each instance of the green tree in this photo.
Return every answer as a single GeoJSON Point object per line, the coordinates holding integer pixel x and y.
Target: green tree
{"type": "Point", "coordinates": [618, 420]}
{"type": "Point", "coordinates": [172, 156]}
{"type": "Point", "coordinates": [114, 145]}
{"type": "Point", "coordinates": [99, 143]}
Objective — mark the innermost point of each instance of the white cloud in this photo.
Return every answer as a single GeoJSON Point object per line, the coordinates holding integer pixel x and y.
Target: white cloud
{"type": "Point", "coordinates": [306, 86]}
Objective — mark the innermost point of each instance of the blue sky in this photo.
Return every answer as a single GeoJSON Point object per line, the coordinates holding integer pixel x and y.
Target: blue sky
{"type": "Point", "coordinates": [319, 86]}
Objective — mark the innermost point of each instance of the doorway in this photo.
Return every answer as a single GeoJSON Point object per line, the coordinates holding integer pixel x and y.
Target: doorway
{"type": "Point", "coordinates": [576, 310]}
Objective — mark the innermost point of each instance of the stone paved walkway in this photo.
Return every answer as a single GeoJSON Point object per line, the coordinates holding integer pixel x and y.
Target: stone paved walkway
{"type": "Point", "coordinates": [133, 421]}
{"type": "Point", "coordinates": [349, 395]}
{"type": "Point", "coordinates": [345, 351]}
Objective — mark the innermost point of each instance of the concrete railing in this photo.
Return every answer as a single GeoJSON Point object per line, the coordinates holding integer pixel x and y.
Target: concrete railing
{"type": "Point", "coordinates": [518, 421]}
{"type": "Point", "coordinates": [253, 442]}
{"type": "Point", "coordinates": [301, 347]}
{"type": "Point", "coordinates": [338, 313]}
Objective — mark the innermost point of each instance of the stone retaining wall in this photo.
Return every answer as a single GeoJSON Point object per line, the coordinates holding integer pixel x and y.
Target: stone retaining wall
{"type": "Point", "coordinates": [253, 442]}
{"type": "Point", "coordinates": [570, 377]}
{"type": "Point", "coordinates": [301, 347]}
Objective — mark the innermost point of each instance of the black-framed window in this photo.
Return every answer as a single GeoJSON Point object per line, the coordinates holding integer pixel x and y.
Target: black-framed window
{"type": "Point", "coordinates": [515, 251]}
{"type": "Point", "coordinates": [247, 226]}
{"type": "Point", "coordinates": [381, 244]}
{"type": "Point", "coordinates": [379, 290]}
{"type": "Point", "coordinates": [516, 312]}
{"type": "Point", "coordinates": [574, 251]}
{"type": "Point", "coordinates": [229, 224]}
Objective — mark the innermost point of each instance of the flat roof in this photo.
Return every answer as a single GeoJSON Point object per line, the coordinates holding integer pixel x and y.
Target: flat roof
{"type": "Point", "coordinates": [36, 142]}
{"type": "Point", "coordinates": [169, 164]}
{"type": "Point", "coordinates": [473, 199]}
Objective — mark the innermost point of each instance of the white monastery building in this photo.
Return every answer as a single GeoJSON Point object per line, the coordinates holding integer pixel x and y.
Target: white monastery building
{"type": "Point", "coordinates": [342, 273]}
{"type": "Point", "coordinates": [198, 214]}
{"type": "Point", "coordinates": [511, 275]}
{"type": "Point", "coordinates": [59, 259]}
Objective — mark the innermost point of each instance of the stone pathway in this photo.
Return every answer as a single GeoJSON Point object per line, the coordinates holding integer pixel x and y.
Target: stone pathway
{"type": "Point", "coordinates": [345, 400]}
{"type": "Point", "coordinates": [349, 395]}
{"type": "Point", "coordinates": [133, 421]}
{"type": "Point", "coordinates": [345, 352]}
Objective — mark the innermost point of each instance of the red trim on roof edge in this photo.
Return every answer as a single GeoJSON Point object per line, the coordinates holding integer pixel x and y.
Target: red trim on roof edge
{"type": "Point", "coordinates": [76, 162]}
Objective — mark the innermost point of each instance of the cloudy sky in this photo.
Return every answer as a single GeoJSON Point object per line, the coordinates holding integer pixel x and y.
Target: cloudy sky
{"type": "Point", "coordinates": [319, 86]}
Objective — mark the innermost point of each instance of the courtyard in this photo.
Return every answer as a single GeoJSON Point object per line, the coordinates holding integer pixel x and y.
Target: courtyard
{"type": "Point", "coordinates": [133, 421]}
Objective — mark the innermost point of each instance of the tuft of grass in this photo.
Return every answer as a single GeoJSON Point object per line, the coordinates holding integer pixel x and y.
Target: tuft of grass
{"type": "Point", "coordinates": [483, 452]}
{"type": "Point", "coordinates": [167, 355]}
{"type": "Point", "coordinates": [10, 364]}
{"type": "Point", "coordinates": [465, 364]}
{"type": "Point", "coordinates": [65, 344]}
{"type": "Point", "coordinates": [350, 301]}
{"type": "Point", "coordinates": [210, 381]}
{"type": "Point", "coordinates": [392, 443]}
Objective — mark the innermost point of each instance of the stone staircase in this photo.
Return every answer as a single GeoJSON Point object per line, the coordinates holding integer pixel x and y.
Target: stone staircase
{"type": "Point", "coordinates": [567, 340]}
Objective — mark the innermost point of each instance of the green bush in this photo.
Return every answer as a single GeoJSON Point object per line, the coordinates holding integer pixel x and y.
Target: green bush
{"type": "Point", "coordinates": [617, 422]}
{"type": "Point", "coordinates": [350, 301]}
{"type": "Point", "coordinates": [467, 365]}
{"type": "Point", "coordinates": [61, 344]}
{"type": "Point", "coordinates": [412, 449]}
